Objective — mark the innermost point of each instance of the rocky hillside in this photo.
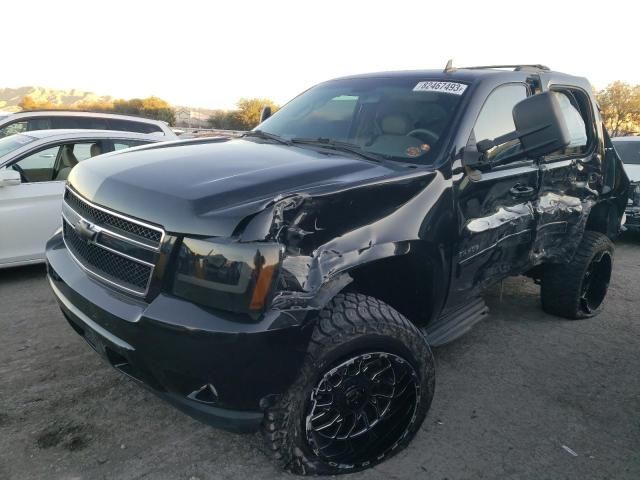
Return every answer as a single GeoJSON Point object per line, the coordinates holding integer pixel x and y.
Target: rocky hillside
{"type": "Point", "coordinates": [10, 97]}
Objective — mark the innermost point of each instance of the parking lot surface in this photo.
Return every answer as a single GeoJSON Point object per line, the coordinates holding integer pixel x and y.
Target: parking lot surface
{"type": "Point", "coordinates": [525, 395]}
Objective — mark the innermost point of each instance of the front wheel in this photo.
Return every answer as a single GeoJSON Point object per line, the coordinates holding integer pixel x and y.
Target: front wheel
{"type": "Point", "coordinates": [363, 392]}
{"type": "Point", "coordinates": [578, 289]}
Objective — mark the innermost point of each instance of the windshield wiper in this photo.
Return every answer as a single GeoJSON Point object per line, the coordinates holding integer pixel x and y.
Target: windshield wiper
{"type": "Point", "coordinates": [336, 145]}
{"type": "Point", "coordinates": [266, 136]}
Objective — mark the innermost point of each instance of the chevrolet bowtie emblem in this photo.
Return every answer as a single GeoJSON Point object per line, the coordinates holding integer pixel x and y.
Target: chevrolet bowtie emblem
{"type": "Point", "coordinates": [87, 231]}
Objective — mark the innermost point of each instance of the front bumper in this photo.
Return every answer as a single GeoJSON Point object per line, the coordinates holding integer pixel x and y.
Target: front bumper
{"type": "Point", "coordinates": [208, 364]}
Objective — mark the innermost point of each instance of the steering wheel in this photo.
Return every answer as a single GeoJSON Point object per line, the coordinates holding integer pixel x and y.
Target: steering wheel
{"type": "Point", "coordinates": [433, 137]}
{"type": "Point", "coordinates": [23, 176]}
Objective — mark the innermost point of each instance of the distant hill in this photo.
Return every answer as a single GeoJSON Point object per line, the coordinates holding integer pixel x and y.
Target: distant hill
{"type": "Point", "coordinates": [10, 97]}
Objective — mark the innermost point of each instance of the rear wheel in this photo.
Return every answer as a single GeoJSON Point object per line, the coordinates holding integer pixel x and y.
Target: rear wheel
{"type": "Point", "coordinates": [578, 289]}
{"type": "Point", "coordinates": [362, 393]}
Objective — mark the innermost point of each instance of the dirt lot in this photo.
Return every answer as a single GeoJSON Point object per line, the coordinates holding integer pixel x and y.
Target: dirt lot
{"type": "Point", "coordinates": [510, 396]}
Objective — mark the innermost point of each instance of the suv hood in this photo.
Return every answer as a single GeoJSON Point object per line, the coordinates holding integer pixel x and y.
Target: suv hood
{"type": "Point", "coordinates": [208, 188]}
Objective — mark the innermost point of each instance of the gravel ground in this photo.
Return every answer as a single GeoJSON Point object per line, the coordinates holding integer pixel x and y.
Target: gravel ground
{"type": "Point", "coordinates": [524, 395]}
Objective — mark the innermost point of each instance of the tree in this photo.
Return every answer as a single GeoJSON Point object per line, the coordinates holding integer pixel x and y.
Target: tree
{"type": "Point", "coordinates": [28, 103]}
{"type": "Point", "coordinates": [95, 106]}
{"type": "Point", "coordinates": [620, 108]}
{"type": "Point", "coordinates": [250, 109]}
{"type": "Point", "coordinates": [225, 120]}
{"type": "Point", "coordinates": [245, 117]}
{"type": "Point", "coordinates": [151, 107]}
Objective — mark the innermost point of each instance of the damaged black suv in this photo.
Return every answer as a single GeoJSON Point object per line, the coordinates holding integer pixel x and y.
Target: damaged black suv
{"type": "Point", "coordinates": [294, 279]}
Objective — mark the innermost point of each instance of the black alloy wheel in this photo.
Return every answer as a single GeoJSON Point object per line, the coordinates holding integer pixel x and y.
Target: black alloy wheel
{"type": "Point", "coordinates": [362, 408]}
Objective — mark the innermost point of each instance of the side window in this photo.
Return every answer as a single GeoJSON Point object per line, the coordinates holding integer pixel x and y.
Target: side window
{"type": "Point", "coordinates": [496, 118]}
{"type": "Point", "coordinates": [575, 111]}
{"type": "Point", "coordinates": [66, 122]}
{"type": "Point", "coordinates": [13, 128]}
{"type": "Point", "coordinates": [39, 166]}
{"type": "Point", "coordinates": [122, 144]}
{"type": "Point", "coordinates": [42, 123]}
{"type": "Point", "coordinates": [55, 163]}
{"type": "Point", "coordinates": [82, 150]}
{"type": "Point", "coordinates": [92, 123]}
{"type": "Point", "coordinates": [128, 126]}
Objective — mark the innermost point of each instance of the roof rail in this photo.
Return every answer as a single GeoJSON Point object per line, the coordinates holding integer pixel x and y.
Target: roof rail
{"type": "Point", "coordinates": [75, 110]}
{"type": "Point", "coordinates": [516, 68]}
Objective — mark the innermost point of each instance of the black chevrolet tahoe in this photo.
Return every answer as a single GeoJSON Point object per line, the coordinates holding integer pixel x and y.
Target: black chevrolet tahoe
{"type": "Point", "coordinates": [295, 279]}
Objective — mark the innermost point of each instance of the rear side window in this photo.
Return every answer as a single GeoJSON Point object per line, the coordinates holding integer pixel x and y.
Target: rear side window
{"type": "Point", "coordinates": [13, 128]}
{"type": "Point", "coordinates": [79, 122]}
{"type": "Point", "coordinates": [122, 144]}
{"type": "Point", "coordinates": [575, 108]}
{"type": "Point", "coordinates": [41, 123]}
{"type": "Point", "coordinates": [130, 126]}
{"type": "Point", "coordinates": [92, 123]}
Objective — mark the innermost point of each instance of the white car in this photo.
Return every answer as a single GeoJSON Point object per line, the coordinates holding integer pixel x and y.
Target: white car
{"type": "Point", "coordinates": [628, 149]}
{"type": "Point", "coordinates": [33, 170]}
{"type": "Point", "coordinates": [22, 122]}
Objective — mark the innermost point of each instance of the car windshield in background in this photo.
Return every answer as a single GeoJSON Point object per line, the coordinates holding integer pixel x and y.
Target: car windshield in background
{"type": "Point", "coordinates": [396, 118]}
{"type": "Point", "coordinates": [13, 142]}
{"type": "Point", "coordinates": [629, 151]}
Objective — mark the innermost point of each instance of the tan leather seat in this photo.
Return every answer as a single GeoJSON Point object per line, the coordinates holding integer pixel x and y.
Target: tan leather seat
{"type": "Point", "coordinates": [393, 140]}
{"type": "Point", "coordinates": [67, 161]}
{"type": "Point", "coordinates": [395, 124]}
{"type": "Point", "coordinates": [96, 149]}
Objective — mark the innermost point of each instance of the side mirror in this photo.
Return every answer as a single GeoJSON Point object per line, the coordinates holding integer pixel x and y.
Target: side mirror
{"type": "Point", "coordinates": [540, 128]}
{"type": "Point", "coordinates": [9, 177]}
{"type": "Point", "coordinates": [540, 125]}
{"type": "Point", "coordinates": [266, 113]}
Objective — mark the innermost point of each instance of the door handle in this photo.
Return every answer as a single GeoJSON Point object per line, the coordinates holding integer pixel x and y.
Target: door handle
{"type": "Point", "coordinates": [521, 191]}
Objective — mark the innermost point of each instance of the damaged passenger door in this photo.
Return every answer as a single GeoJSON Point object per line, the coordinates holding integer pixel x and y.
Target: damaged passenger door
{"type": "Point", "coordinates": [568, 180]}
{"type": "Point", "coordinates": [495, 212]}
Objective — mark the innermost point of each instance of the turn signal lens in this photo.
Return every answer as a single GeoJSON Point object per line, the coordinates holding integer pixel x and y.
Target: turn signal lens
{"type": "Point", "coordinates": [263, 286]}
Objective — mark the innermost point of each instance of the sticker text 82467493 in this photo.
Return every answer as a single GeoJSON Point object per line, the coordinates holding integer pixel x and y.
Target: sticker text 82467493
{"type": "Point", "coordinates": [454, 88]}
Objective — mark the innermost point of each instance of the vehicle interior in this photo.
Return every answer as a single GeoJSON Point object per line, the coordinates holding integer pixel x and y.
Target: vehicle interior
{"type": "Point", "coordinates": [54, 163]}
{"type": "Point", "coordinates": [390, 118]}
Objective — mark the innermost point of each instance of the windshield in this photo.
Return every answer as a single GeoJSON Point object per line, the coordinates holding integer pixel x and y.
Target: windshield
{"type": "Point", "coordinates": [13, 142]}
{"type": "Point", "coordinates": [403, 119]}
{"type": "Point", "coordinates": [629, 151]}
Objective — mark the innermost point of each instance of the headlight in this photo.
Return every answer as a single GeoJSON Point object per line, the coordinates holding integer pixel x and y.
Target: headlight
{"type": "Point", "coordinates": [232, 276]}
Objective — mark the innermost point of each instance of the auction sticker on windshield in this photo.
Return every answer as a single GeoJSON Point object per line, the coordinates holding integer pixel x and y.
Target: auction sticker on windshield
{"type": "Point", "coordinates": [444, 87]}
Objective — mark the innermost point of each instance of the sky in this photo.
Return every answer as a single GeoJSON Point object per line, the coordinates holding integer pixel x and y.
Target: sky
{"type": "Point", "coordinates": [209, 54]}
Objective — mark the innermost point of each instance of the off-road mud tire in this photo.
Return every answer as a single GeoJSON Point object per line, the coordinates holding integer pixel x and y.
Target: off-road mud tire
{"type": "Point", "coordinates": [350, 325]}
{"type": "Point", "coordinates": [563, 285]}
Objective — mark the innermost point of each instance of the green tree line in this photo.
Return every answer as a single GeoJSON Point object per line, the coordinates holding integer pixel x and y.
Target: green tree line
{"type": "Point", "coordinates": [620, 108]}
{"type": "Point", "coordinates": [150, 107]}
{"type": "Point", "coordinates": [244, 117]}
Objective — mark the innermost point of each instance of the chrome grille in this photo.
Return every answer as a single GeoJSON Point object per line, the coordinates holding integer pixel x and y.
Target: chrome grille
{"type": "Point", "coordinates": [101, 217]}
{"type": "Point", "coordinates": [118, 250]}
{"type": "Point", "coordinates": [119, 269]}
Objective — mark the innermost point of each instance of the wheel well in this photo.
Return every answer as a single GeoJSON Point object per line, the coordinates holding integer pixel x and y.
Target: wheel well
{"type": "Point", "coordinates": [603, 218]}
{"type": "Point", "coordinates": [401, 283]}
